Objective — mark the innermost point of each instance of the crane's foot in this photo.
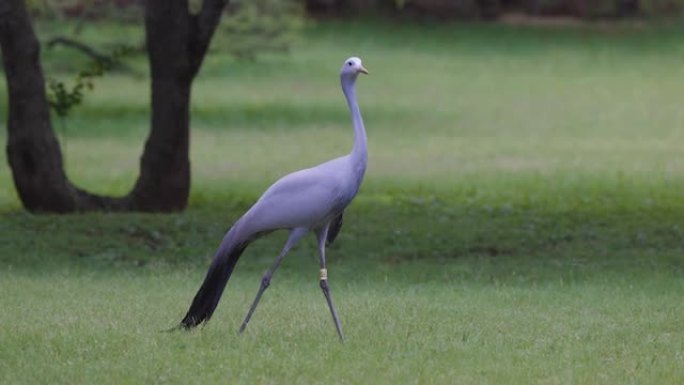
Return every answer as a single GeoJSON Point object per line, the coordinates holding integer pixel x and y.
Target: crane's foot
{"type": "Point", "coordinates": [265, 283]}
{"type": "Point", "coordinates": [326, 292]}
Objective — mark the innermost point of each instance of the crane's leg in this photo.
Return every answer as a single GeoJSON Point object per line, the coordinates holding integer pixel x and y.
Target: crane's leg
{"type": "Point", "coordinates": [322, 236]}
{"type": "Point", "coordinates": [293, 239]}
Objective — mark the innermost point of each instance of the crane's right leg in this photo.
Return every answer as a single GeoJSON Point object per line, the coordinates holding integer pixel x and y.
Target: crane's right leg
{"type": "Point", "coordinates": [293, 239]}
{"type": "Point", "coordinates": [322, 237]}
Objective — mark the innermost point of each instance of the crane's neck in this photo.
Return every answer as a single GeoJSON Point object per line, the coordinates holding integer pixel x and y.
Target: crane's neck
{"type": "Point", "coordinates": [359, 153]}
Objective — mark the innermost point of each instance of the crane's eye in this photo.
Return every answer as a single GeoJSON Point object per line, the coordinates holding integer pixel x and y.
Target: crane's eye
{"type": "Point", "coordinates": [349, 63]}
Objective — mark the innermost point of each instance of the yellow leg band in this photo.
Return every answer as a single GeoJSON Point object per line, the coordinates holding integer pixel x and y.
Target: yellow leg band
{"type": "Point", "coordinates": [324, 274]}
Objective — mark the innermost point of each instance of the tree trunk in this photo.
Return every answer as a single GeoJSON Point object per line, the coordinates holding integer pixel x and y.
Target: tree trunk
{"type": "Point", "coordinates": [177, 42]}
{"type": "Point", "coordinates": [164, 182]}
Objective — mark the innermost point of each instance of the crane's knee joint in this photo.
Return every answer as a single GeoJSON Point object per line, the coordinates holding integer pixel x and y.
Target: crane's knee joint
{"type": "Point", "coordinates": [324, 285]}
{"type": "Point", "coordinates": [265, 281]}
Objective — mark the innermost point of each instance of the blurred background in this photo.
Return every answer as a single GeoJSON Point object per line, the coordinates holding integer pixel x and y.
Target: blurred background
{"type": "Point", "coordinates": [520, 221]}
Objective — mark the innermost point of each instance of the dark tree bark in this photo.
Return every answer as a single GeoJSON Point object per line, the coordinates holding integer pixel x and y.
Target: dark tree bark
{"type": "Point", "coordinates": [177, 42]}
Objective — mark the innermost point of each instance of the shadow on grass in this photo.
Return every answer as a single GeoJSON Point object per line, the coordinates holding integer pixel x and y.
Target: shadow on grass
{"type": "Point", "coordinates": [420, 239]}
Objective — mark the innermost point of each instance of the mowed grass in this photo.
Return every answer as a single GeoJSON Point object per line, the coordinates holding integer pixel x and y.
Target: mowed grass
{"type": "Point", "coordinates": [521, 220]}
{"type": "Point", "coordinates": [437, 331]}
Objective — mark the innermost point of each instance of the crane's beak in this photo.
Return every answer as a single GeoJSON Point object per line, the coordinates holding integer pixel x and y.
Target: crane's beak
{"type": "Point", "coordinates": [363, 70]}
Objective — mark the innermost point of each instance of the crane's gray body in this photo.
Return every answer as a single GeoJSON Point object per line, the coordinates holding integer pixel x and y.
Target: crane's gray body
{"type": "Point", "coordinates": [304, 201]}
{"type": "Point", "coordinates": [307, 199]}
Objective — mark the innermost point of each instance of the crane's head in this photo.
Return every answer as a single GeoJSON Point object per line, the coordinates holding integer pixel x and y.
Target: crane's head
{"type": "Point", "coordinates": [353, 67]}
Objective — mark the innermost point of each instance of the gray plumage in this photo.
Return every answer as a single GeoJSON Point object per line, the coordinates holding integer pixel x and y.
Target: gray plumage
{"type": "Point", "coordinates": [309, 200]}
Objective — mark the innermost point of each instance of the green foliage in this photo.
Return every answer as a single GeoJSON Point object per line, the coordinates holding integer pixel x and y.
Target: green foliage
{"type": "Point", "coordinates": [256, 27]}
{"type": "Point", "coordinates": [400, 4]}
{"type": "Point", "coordinates": [662, 7]}
{"type": "Point", "coordinates": [63, 98]}
{"type": "Point", "coordinates": [86, 10]}
{"type": "Point", "coordinates": [603, 8]}
{"type": "Point", "coordinates": [441, 9]}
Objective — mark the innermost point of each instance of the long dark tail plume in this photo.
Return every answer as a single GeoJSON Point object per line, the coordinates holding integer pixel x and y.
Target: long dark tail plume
{"type": "Point", "coordinates": [209, 294]}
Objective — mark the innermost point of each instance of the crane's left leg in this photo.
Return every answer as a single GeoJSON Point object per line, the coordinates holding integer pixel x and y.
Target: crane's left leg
{"type": "Point", "coordinates": [293, 239]}
{"type": "Point", "coordinates": [322, 236]}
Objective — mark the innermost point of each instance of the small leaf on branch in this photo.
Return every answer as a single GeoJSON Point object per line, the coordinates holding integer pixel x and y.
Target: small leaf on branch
{"type": "Point", "coordinates": [62, 100]}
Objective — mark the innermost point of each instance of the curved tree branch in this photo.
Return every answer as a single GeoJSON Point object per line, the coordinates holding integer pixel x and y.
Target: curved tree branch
{"type": "Point", "coordinates": [86, 49]}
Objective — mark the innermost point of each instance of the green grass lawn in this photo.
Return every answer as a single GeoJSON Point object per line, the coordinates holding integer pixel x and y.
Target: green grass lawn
{"type": "Point", "coordinates": [521, 220]}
